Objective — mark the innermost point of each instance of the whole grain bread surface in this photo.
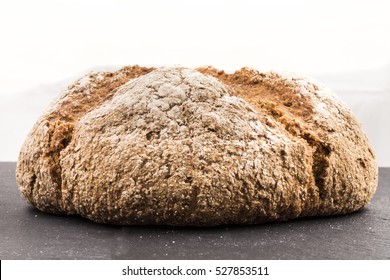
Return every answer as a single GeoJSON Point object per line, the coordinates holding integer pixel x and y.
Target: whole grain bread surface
{"type": "Point", "coordinates": [199, 147]}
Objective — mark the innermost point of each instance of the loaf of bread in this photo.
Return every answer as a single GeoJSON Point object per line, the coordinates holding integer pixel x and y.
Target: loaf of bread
{"type": "Point", "coordinates": [197, 147]}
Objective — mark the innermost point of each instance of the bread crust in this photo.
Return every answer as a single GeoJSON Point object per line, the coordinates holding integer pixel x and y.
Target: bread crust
{"type": "Point", "coordinates": [200, 147]}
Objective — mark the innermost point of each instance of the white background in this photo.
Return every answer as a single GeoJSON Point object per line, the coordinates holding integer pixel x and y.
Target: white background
{"type": "Point", "coordinates": [46, 44]}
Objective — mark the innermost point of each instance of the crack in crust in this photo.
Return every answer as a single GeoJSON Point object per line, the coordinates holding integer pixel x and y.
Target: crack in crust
{"type": "Point", "coordinates": [56, 129]}
{"type": "Point", "coordinates": [313, 113]}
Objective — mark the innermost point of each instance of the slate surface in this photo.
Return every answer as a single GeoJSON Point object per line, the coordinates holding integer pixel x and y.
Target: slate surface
{"type": "Point", "coordinates": [26, 233]}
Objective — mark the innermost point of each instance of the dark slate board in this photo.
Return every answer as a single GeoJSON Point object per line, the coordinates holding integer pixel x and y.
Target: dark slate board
{"type": "Point", "coordinates": [26, 233]}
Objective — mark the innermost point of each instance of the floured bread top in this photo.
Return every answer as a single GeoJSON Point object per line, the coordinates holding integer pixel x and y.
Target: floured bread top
{"type": "Point", "coordinates": [196, 147]}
